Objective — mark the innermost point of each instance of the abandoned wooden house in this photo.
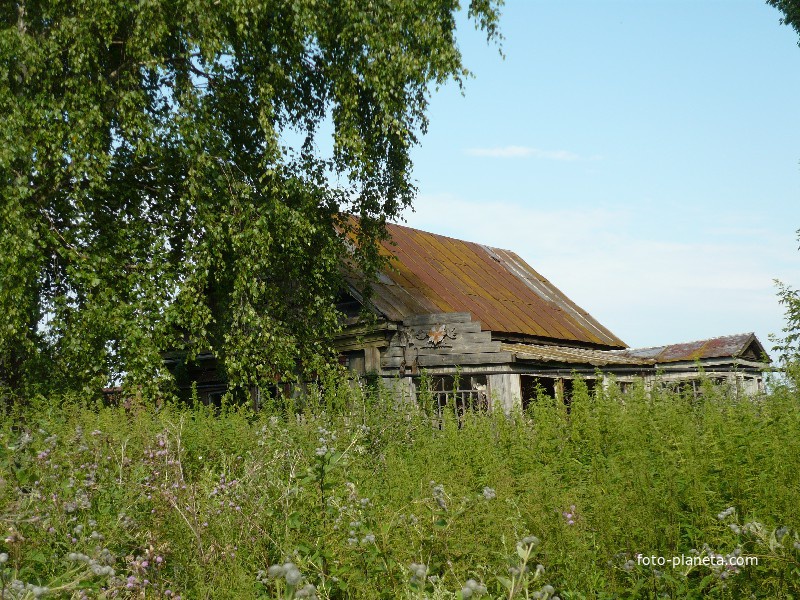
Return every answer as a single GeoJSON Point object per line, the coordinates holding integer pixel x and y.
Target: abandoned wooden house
{"type": "Point", "coordinates": [483, 329]}
{"type": "Point", "coordinates": [479, 327]}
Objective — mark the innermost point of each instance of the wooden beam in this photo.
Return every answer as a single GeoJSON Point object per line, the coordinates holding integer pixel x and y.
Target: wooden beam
{"type": "Point", "coordinates": [451, 359]}
{"type": "Point", "coordinates": [437, 319]}
{"type": "Point", "coordinates": [479, 348]}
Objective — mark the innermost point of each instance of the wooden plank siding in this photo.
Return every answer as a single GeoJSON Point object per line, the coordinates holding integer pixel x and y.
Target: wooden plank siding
{"type": "Point", "coordinates": [470, 346]}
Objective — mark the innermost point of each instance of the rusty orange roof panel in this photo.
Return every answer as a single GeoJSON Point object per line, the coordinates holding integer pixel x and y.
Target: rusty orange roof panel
{"type": "Point", "coordinates": [433, 273]}
{"type": "Point", "coordinates": [743, 345]}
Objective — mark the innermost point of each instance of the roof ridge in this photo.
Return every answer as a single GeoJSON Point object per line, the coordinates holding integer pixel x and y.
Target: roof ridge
{"type": "Point", "coordinates": [711, 339]}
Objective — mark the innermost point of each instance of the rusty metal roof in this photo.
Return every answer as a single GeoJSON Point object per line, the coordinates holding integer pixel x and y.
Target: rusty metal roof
{"type": "Point", "coordinates": [743, 345]}
{"type": "Point", "coordinates": [432, 273]}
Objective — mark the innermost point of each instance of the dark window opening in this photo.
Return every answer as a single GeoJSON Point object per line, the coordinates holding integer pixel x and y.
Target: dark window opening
{"type": "Point", "coordinates": [533, 388]}
{"type": "Point", "coordinates": [566, 392]}
{"type": "Point", "coordinates": [687, 388]}
{"type": "Point", "coordinates": [215, 399]}
{"type": "Point", "coordinates": [557, 388]}
{"type": "Point", "coordinates": [348, 306]}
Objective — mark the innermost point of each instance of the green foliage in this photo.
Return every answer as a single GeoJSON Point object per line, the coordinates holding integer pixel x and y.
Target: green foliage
{"type": "Point", "coordinates": [790, 10]}
{"type": "Point", "coordinates": [789, 344]}
{"type": "Point", "coordinates": [163, 184]}
{"type": "Point", "coordinates": [376, 501]}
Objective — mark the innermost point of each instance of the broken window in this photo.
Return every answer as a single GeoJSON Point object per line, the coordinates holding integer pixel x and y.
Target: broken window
{"type": "Point", "coordinates": [458, 394]}
{"type": "Point", "coordinates": [688, 388]}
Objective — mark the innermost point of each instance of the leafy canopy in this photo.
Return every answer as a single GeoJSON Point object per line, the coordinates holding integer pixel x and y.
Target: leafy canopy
{"type": "Point", "coordinates": [163, 185]}
{"type": "Point", "coordinates": [790, 10]}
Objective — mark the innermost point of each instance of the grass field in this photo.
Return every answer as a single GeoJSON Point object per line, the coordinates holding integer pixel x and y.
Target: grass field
{"type": "Point", "coordinates": [351, 496]}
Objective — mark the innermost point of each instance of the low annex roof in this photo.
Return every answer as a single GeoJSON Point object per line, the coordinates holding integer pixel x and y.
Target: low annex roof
{"type": "Point", "coordinates": [433, 273]}
{"type": "Point", "coordinates": [743, 345]}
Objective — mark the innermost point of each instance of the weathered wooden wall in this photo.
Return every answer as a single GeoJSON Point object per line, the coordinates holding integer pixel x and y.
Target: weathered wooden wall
{"type": "Point", "coordinates": [505, 392]}
{"type": "Point", "coordinates": [416, 344]}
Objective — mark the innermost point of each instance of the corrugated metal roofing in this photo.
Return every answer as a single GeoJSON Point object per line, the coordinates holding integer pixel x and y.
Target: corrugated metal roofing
{"type": "Point", "coordinates": [726, 346]}
{"type": "Point", "coordinates": [432, 273]}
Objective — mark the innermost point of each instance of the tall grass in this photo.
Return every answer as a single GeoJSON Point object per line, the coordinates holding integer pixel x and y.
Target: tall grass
{"type": "Point", "coordinates": [355, 497]}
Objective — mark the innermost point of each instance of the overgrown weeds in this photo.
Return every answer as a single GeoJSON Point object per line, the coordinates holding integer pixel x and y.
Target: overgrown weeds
{"type": "Point", "coordinates": [366, 499]}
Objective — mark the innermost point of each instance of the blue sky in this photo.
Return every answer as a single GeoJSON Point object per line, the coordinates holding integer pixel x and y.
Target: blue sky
{"type": "Point", "coordinates": [642, 155]}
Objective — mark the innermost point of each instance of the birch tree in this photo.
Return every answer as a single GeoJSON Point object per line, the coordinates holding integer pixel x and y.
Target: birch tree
{"type": "Point", "coordinates": [167, 184]}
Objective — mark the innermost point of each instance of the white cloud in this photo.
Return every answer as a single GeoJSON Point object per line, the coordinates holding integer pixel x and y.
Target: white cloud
{"type": "Point", "coordinates": [650, 287]}
{"type": "Point", "coordinates": [522, 152]}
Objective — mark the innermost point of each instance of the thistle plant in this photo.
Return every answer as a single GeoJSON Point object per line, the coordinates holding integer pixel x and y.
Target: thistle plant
{"type": "Point", "coordinates": [325, 459]}
{"type": "Point", "coordinates": [521, 576]}
{"type": "Point", "coordinates": [287, 582]}
{"type": "Point", "coordinates": [570, 516]}
{"type": "Point", "coordinates": [472, 589]}
{"type": "Point", "coordinates": [419, 577]}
